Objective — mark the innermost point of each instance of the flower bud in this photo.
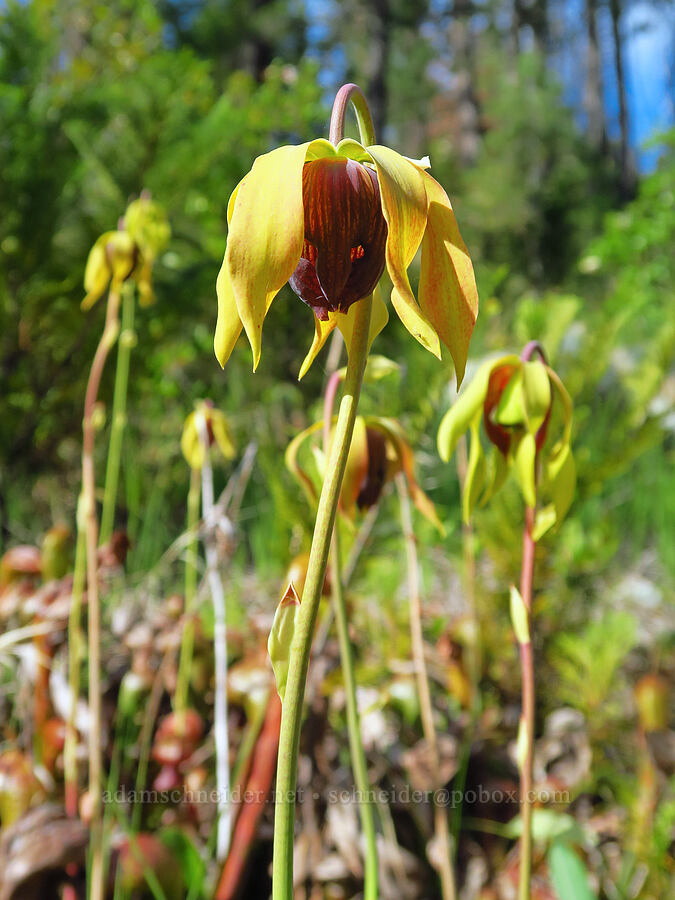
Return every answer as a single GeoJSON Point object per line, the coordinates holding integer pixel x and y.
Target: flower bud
{"type": "Point", "coordinates": [281, 637]}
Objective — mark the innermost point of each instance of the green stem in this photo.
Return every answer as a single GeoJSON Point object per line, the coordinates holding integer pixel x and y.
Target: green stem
{"type": "Point", "coordinates": [188, 637]}
{"type": "Point", "coordinates": [359, 764]}
{"type": "Point", "coordinates": [527, 720]}
{"type": "Point", "coordinates": [291, 719]}
{"type": "Point", "coordinates": [441, 829]}
{"type": "Point", "coordinates": [474, 663]}
{"type": "Point", "coordinates": [356, 750]}
{"type": "Point", "coordinates": [127, 340]}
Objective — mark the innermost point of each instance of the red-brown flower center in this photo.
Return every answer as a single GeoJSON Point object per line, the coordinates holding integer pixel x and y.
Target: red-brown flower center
{"type": "Point", "coordinates": [376, 474]}
{"type": "Point", "coordinates": [501, 435]}
{"type": "Point", "coordinates": [345, 235]}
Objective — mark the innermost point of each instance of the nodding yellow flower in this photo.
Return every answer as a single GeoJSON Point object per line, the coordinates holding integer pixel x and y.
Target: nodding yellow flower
{"type": "Point", "coordinates": [112, 260]}
{"type": "Point", "coordinates": [378, 452]}
{"type": "Point", "coordinates": [218, 431]}
{"type": "Point", "coordinates": [328, 220]}
{"type": "Point", "coordinates": [129, 252]}
{"type": "Point", "coordinates": [513, 398]}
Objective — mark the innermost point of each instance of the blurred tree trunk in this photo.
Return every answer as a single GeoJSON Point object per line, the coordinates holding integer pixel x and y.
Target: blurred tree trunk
{"type": "Point", "coordinates": [464, 66]}
{"type": "Point", "coordinates": [380, 45]}
{"type": "Point", "coordinates": [514, 31]}
{"type": "Point", "coordinates": [593, 94]}
{"type": "Point", "coordinates": [626, 173]}
{"type": "Point", "coordinates": [257, 52]}
{"type": "Point", "coordinates": [538, 19]}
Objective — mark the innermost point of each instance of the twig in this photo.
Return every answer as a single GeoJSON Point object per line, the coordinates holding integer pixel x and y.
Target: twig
{"type": "Point", "coordinates": [220, 648]}
{"type": "Point", "coordinates": [229, 502]}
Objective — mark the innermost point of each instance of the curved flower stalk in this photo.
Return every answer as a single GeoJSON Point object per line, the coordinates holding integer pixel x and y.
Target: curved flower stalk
{"type": "Point", "coordinates": [516, 399]}
{"type": "Point", "coordinates": [327, 217]}
{"type": "Point", "coordinates": [204, 428]}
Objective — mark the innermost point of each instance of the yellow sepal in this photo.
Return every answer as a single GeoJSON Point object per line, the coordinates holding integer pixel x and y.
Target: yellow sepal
{"type": "Point", "coordinates": [404, 206]}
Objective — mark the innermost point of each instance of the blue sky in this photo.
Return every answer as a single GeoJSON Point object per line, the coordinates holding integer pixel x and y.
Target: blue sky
{"type": "Point", "coordinates": [649, 53]}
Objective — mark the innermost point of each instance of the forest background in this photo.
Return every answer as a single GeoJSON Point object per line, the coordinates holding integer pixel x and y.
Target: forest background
{"type": "Point", "coordinates": [535, 117]}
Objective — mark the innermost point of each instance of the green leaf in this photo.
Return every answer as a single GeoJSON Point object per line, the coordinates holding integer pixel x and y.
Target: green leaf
{"type": "Point", "coordinates": [519, 617]}
{"type": "Point", "coordinates": [379, 367]}
{"type": "Point", "coordinates": [281, 637]}
{"type": "Point", "coordinates": [544, 520]}
{"type": "Point", "coordinates": [537, 393]}
{"type": "Point", "coordinates": [525, 454]}
{"type": "Point", "coordinates": [548, 825]}
{"type": "Point", "coordinates": [475, 472]}
{"type": "Point", "coordinates": [568, 873]}
{"type": "Point", "coordinates": [191, 863]}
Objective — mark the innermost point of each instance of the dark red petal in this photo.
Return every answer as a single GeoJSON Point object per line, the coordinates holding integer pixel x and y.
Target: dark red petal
{"type": "Point", "coordinates": [498, 434]}
{"type": "Point", "coordinates": [540, 437]}
{"type": "Point", "coordinates": [306, 285]}
{"type": "Point", "coordinates": [345, 235]}
{"type": "Point", "coordinates": [371, 487]}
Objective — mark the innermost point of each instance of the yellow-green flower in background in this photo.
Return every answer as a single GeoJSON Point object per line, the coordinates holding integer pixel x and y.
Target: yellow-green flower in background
{"type": "Point", "coordinates": [514, 399]}
{"type": "Point", "coordinates": [218, 431]}
{"type": "Point", "coordinates": [111, 261]}
{"type": "Point", "coordinates": [147, 224]}
{"type": "Point", "coordinates": [378, 452]}
{"type": "Point", "coordinates": [328, 219]}
{"type": "Point", "coordinates": [129, 252]}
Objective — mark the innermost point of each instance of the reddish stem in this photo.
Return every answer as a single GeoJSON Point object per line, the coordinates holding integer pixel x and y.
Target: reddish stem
{"type": "Point", "coordinates": [93, 600]}
{"type": "Point", "coordinates": [350, 93]}
{"type": "Point", "coordinates": [257, 790]}
{"type": "Point", "coordinates": [527, 675]}
{"type": "Point", "coordinates": [328, 406]}
{"type": "Point", "coordinates": [530, 349]}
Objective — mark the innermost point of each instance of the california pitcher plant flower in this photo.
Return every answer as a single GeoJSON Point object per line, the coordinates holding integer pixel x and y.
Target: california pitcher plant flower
{"type": "Point", "coordinates": [127, 253]}
{"type": "Point", "coordinates": [217, 429]}
{"type": "Point", "coordinates": [515, 398]}
{"type": "Point", "coordinates": [328, 219]}
{"type": "Point", "coordinates": [379, 451]}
